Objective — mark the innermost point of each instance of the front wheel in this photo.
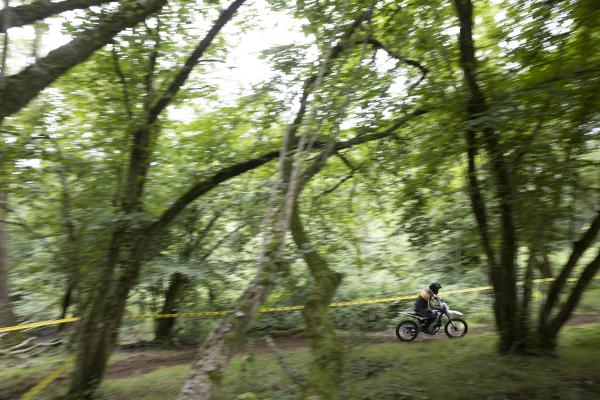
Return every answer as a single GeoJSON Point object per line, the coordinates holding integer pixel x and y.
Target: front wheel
{"type": "Point", "coordinates": [456, 328]}
{"type": "Point", "coordinates": [407, 331]}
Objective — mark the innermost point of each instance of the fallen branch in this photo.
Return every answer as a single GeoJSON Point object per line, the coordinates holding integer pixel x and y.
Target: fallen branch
{"type": "Point", "coordinates": [23, 344]}
{"type": "Point", "coordinates": [20, 350]}
{"type": "Point", "coordinates": [297, 380]}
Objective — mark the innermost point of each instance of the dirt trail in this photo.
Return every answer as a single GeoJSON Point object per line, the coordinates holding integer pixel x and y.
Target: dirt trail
{"type": "Point", "coordinates": [146, 360]}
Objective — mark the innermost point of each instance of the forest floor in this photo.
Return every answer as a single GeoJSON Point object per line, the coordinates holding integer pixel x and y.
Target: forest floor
{"type": "Point", "coordinates": [378, 367]}
{"type": "Point", "coordinates": [144, 360]}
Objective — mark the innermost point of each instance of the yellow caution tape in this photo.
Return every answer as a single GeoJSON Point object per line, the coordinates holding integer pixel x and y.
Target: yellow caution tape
{"type": "Point", "coordinates": [38, 324]}
{"type": "Point", "coordinates": [59, 371]}
{"type": "Point", "coordinates": [266, 309]}
{"type": "Point", "coordinates": [41, 385]}
{"type": "Point", "coordinates": [177, 315]}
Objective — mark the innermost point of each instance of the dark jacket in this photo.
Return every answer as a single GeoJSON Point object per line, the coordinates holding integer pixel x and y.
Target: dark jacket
{"type": "Point", "coordinates": [424, 300]}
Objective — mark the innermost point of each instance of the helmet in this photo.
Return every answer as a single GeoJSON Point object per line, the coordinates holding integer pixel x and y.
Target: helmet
{"type": "Point", "coordinates": [435, 287]}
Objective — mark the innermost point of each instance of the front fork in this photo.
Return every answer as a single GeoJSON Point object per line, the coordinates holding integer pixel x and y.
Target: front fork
{"type": "Point", "coordinates": [450, 320]}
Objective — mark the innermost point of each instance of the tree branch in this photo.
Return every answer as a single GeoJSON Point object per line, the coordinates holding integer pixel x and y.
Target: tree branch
{"type": "Point", "coordinates": [123, 81]}
{"type": "Point", "coordinates": [230, 172]}
{"type": "Point", "coordinates": [19, 89]}
{"type": "Point", "coordinates": [193, 60]}
{"type": "Point", "coordinates": [337, 185]}
{"type": "Point", "coordinates": [142, 135]}
{"type": "Point", "coordinates": [579, 247]}
{"type": "Point", "coordinates": [194, 243]}
{"type": "Point", "coordinates": [413, 63]}
{"type": "Point", "coordinates": [149, 79]}
{"type": "Point", "coordinates": [41, 9]}
{"type": "Point", "coordinates": [584, 280]}
{"type": "Point", "coordinates": [22, 225]}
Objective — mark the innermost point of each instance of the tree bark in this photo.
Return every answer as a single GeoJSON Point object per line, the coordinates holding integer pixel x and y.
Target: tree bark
{"type": "Point", "coordinates": [71, 258]}
{"type": "Point", "coordinates": [327, 363]}
{"type": "Point", "coordinates": [16, 91]}
{"type": "Point", "coordinates": [28, 13]}
{"type": "Point", "coordinates": [579, 248]}
{"type": "Point", "coordinates": [225, 339]}
{"type": "Point", "coordinates": [164, 326]}
{"type": "Point", "coordinates": [4, 19]}
{"type": "Point", "coordinates": [7, 317]}
{"type": "Point", "coordinates": [525, 308]}
{"type": "Point", "coordinates": [549, 334]}
{"type": "Point", "coordinates": [503, 278]}
{"type": "Point", "coordinates": [99, 328]}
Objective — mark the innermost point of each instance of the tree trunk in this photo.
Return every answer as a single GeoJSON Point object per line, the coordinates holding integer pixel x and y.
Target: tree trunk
{"type": "Point", "coordinates": [327, 364]}
{"type": "Point", "coordinates": [99, 328]}
{"type": "Point", "coordinates": [65, 303]}
{"type": "Point", "coordinates": [7, 318]}
{"type": "Point", "coordinates": [579, 248]}
{"type": "Point", "coordinates": [4, 20]}
{"type": "Point", "coordinates": [545, 267]}
{"type": "Point", "coordinates": [503, 276]}
{"type": "Point", "coordinates": [526, 301]}
{"type": "Point", "coordinates": [164, 326]}
{"type": "Point", "coordinates": [71, 256]}
{"type": "Point", "coordinates": [225, 339]}
{"type": "Point", "coordinates": [548, 332]}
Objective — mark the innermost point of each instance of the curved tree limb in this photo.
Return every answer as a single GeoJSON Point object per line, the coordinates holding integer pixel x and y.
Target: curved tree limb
{"type": "Point", "coordinates": [193, 60]}
{"type": "Point", "coordinates": [207, 184]}
{"type": "Point", "coordinates": [573, 300]}
{"type": "Point", "coordinates": [38, 10]}
{"type": "Point", "coordinates": [16, 91]}
{"type": "Point", "coordinates": [413, 63]}
{"type": "Point", "coordinates": [579, 248]}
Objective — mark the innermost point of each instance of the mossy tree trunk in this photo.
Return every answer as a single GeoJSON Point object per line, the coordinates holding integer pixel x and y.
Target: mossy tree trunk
{"type": "Point", "coordinates": [129, 245]}
{"type": "Point", "coordinates": [225, 339]}
{"type": "Point", "coordinates": [327, 363]}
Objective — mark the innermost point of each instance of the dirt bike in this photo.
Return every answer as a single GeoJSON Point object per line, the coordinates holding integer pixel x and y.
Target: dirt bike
{"type": "Point", "coordinates": [408, 330]}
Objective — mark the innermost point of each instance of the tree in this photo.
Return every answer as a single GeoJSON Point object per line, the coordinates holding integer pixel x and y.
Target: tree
{"type": "Point", "coordinates": [511, 315]}
{"type": "Point", "coordinates": [99, 326]}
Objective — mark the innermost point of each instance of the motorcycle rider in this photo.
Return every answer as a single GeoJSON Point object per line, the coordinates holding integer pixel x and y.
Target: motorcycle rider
{"type": "Point", "coordinates": [423, 304]}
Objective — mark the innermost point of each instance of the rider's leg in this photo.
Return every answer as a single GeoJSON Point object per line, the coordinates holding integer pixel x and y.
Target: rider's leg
{"type": "Point", "coordinates": [429, 316]}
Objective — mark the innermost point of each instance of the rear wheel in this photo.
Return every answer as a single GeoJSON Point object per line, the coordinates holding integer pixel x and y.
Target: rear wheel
{"type": "Point", "coordinates": [457, 328]}
{"type": "Point", "coordinates": [407, 331]}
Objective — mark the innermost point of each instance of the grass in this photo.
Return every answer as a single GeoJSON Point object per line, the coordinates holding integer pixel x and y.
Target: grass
{"type": "Point", "coordinates": [470, 369]}
{"type": "Point", "coordinates": [466, 368]}
{"type": "Point", "coordinates": [18, 375]}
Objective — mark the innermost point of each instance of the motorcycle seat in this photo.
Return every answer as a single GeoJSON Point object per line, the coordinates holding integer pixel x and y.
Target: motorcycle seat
{"type": "Point", "coordinates": [414, 314]}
